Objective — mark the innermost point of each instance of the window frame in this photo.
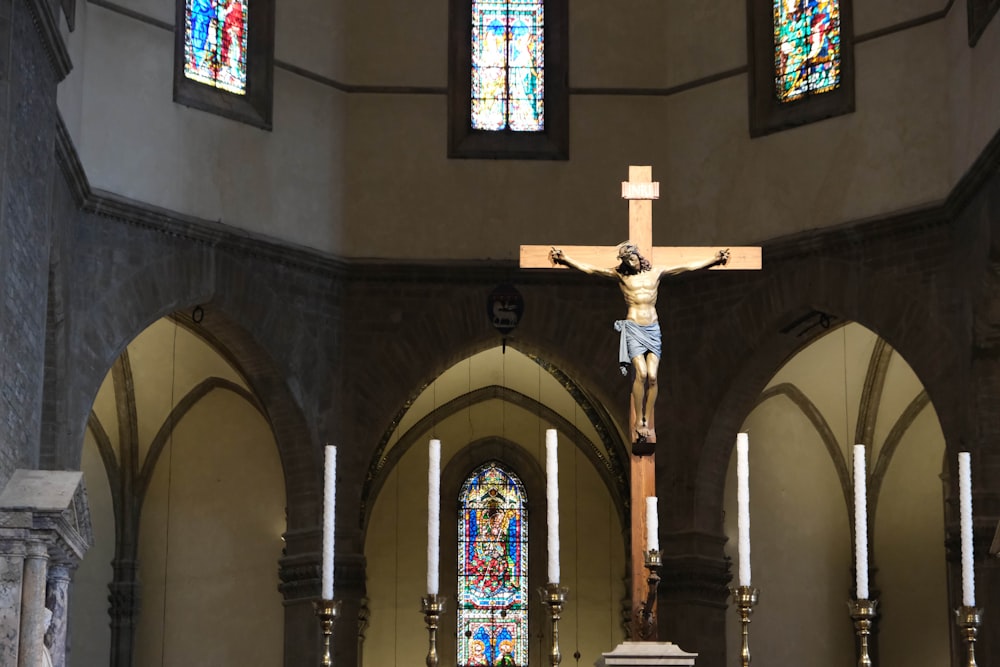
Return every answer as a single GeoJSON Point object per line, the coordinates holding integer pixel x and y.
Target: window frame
{"type": "Point", "coordinates": [254, 107]}
{"type": "Point", "coordinates": [552, 143]}
{"type": "Point", "coordinates": [767, 114]}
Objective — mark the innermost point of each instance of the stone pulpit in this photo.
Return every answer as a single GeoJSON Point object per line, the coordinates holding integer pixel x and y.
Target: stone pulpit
{"type": "Point", "coordinates": [44, 532]}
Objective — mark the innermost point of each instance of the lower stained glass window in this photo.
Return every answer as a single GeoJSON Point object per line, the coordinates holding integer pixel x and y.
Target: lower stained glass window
{"type": "Point", "coordinates": [215, 43]}
{"type": "Point", "coordinates": [492, 569]}
{"type": "Point", "coordinates": [806, 47]}
{"type": "Point", "coordinates": [508, 65]}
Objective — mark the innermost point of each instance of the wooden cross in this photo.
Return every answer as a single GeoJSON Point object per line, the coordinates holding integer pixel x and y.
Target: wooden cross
{"type": "Point", "coordinates": [640, 190]}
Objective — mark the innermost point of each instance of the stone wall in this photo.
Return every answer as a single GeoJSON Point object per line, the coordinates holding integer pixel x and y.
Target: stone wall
{"type": "Point", "coordinates": [27, 129]}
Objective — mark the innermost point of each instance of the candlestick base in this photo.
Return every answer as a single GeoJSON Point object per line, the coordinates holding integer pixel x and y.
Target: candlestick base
{"type": "Point", "coordinates": [863, 612]}
{"type": "Point", "coordinates": [327, 611]}
{"type": "Point", "coordinates": [745, 598]}
{"type": "Point", "coordinates": [645, 622]}
{"type": "Point", "coordinates": [432, 606]}
{"type": "Point", "coordinates": [969, 619]}
{"type": "Point", "coordinates": [554, 596]}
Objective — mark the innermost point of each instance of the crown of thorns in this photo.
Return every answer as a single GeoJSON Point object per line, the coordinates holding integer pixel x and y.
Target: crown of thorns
{"type": "Point", "coordinates": [627, 248]}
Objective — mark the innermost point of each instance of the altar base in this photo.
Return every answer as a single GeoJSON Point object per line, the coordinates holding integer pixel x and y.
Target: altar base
{"type": "Point", "coordinates": [646, 654]}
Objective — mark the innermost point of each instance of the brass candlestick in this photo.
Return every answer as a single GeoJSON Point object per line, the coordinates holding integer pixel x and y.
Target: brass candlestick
{"type": "Point", "coordinates": [745, 597]}
{"type": "Point", "coordinates": [554, 596]}
{"type": "Point", "coordinates": [969, 619]}
{"type": "Point", "coordinates": [646, 614]}
{"type": "Point", "coordinates": [431, 606]}
{"type": "Point", "coordinates": [863, 613]}
{"type": "Point", "coordinates": [327, 610]}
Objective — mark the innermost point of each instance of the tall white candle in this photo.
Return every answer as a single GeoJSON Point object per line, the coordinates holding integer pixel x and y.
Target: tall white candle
{"type": "Point", "coordinates": [743, 505]}
{"type": "Point", "coordinates": [860, 524]}
{"type": "Point", "coordinates": [433, 516]}
{"type": "Point", "coordinates": [329, 518]}
{"type": "Point", "coordinates": [652, 525]}
{"type": "Point", "coordinates": [965, 524]}
{"type": "Point", "coordinates": [552, 502]}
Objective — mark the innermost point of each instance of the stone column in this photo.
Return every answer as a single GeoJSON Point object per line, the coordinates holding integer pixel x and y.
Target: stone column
{"type": "Point", "coordinates": [11, 575]}
{"type": "Point", "coordinates": [124, 599]}
{"type": "Point", "coordinates": [57, 599]}
{"type": "Point", "coordinates": [36, 562]}
{"type": "Point", "coordinates": [694, 595]}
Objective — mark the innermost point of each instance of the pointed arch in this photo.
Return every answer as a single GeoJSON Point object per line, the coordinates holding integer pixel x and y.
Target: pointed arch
{"type": "Point", "coordinates": [382, 463]}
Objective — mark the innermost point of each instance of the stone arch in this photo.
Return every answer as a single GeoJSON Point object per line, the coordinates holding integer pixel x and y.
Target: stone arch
{"type": "Point", "coordinates": [381, 467]}
{"type": "Point", "coordinates": [850, 292]}
{"type": "Point", "coordinates": [174, 285]}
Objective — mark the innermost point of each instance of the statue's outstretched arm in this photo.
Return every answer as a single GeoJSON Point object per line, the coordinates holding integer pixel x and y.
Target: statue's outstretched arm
{"type": "Point", "coordinates": [722, 257]}
{"type": "Point", "coordinates": [559, 257]}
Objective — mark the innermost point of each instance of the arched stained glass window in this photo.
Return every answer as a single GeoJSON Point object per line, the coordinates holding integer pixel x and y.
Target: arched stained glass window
{"type": "Point", "coordinates": [806, 47]}
{"type": "Point", "coordinates": [492, 569]}
{"type": "Point", "coordinates": [508, 65]}
{"type": "Point", "coordinates": [215, 43]}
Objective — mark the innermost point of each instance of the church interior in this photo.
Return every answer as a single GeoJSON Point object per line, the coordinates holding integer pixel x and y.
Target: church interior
{"type": "Point", "coordinates": [213, 268]}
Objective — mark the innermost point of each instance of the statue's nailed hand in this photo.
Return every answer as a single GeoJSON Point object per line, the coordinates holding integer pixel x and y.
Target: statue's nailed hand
{"type": "Point", "coordinates": [556, 256]}
{"type": "Point", "coordinates": [723, 257]}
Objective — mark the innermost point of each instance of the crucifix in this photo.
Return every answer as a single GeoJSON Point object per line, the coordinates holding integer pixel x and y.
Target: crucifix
{"type": "Point", "coordinates": [638, 266]}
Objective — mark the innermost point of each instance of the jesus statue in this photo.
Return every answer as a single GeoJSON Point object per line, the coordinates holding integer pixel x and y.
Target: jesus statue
{"type": "Point", "coordinates": [640, 330]}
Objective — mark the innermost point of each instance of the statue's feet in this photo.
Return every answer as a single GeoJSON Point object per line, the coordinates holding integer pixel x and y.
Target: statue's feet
{"type": "Point", "coordinates": [645, 440]}
{"type": "Point", "coordinates": [642, 446]}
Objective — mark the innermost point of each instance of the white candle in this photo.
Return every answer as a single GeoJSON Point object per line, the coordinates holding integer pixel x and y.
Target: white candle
{"type": "Point", "coordinates": [433, 516]}
{"type": "Point", "coordinates": [860, 524]}
{"type": "Point", "coordinates": [552, 502]}
{"type": "Point", "coordinates": [743, 504]}
{"type": "Point", "coordinates": [329, 518]}
{"type": "Point", "coordinates": [652, 525]}
{"type": "Point", "coordinates": [965, 523]}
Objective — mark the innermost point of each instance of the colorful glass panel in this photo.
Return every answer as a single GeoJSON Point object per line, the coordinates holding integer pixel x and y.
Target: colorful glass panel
{"type": "Point", "coordinates": [806, 47]}
{"type": "Point", "coordinates": [493, 569]}
{"type": "Point", "coordinates": [215, 43]}
{"type": "Point", "coordinates": [508, 65]}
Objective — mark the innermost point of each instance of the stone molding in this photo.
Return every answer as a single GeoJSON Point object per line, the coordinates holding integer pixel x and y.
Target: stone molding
{"type": "Point", "coordinates": [853, 234]}
{"type": "Point", "coordinates": [47, 25]}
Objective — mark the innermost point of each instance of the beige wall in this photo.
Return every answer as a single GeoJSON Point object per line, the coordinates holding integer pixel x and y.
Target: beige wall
{"type": "Point", "coordinates": [211, 537]}
{"type": "Point", "coordinates": [89, 628]}
{"type": "Point", "coordinates": [341, 170]}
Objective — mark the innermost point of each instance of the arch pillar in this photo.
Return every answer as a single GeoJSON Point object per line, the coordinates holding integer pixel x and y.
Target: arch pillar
{"type": "Point", "coordinates": [694, 594]}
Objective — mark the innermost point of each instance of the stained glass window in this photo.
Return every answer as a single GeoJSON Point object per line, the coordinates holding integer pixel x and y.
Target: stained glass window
{"type": "Point", "coordinates": [215, 43]}
{"type": "Point", "coordinates": [508, 65]}
{"type": "Point", "coordinates": [492, 569]}
{"type": "Point", "coordinates": [807, 47]}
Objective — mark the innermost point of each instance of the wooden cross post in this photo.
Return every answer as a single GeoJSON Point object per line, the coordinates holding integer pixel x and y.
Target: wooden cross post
{"type": "Point", "coordinates": [640, 190]}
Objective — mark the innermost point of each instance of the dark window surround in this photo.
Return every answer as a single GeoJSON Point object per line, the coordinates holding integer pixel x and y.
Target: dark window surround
{"type": "Point", "coordinates": [980, 14]}
{"type": "Point", "coordinates": [253, 108]}
{"type": "Point", "coordinates": [767, 115]}
{"type": "Point", "coordinates": [550, 144]}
